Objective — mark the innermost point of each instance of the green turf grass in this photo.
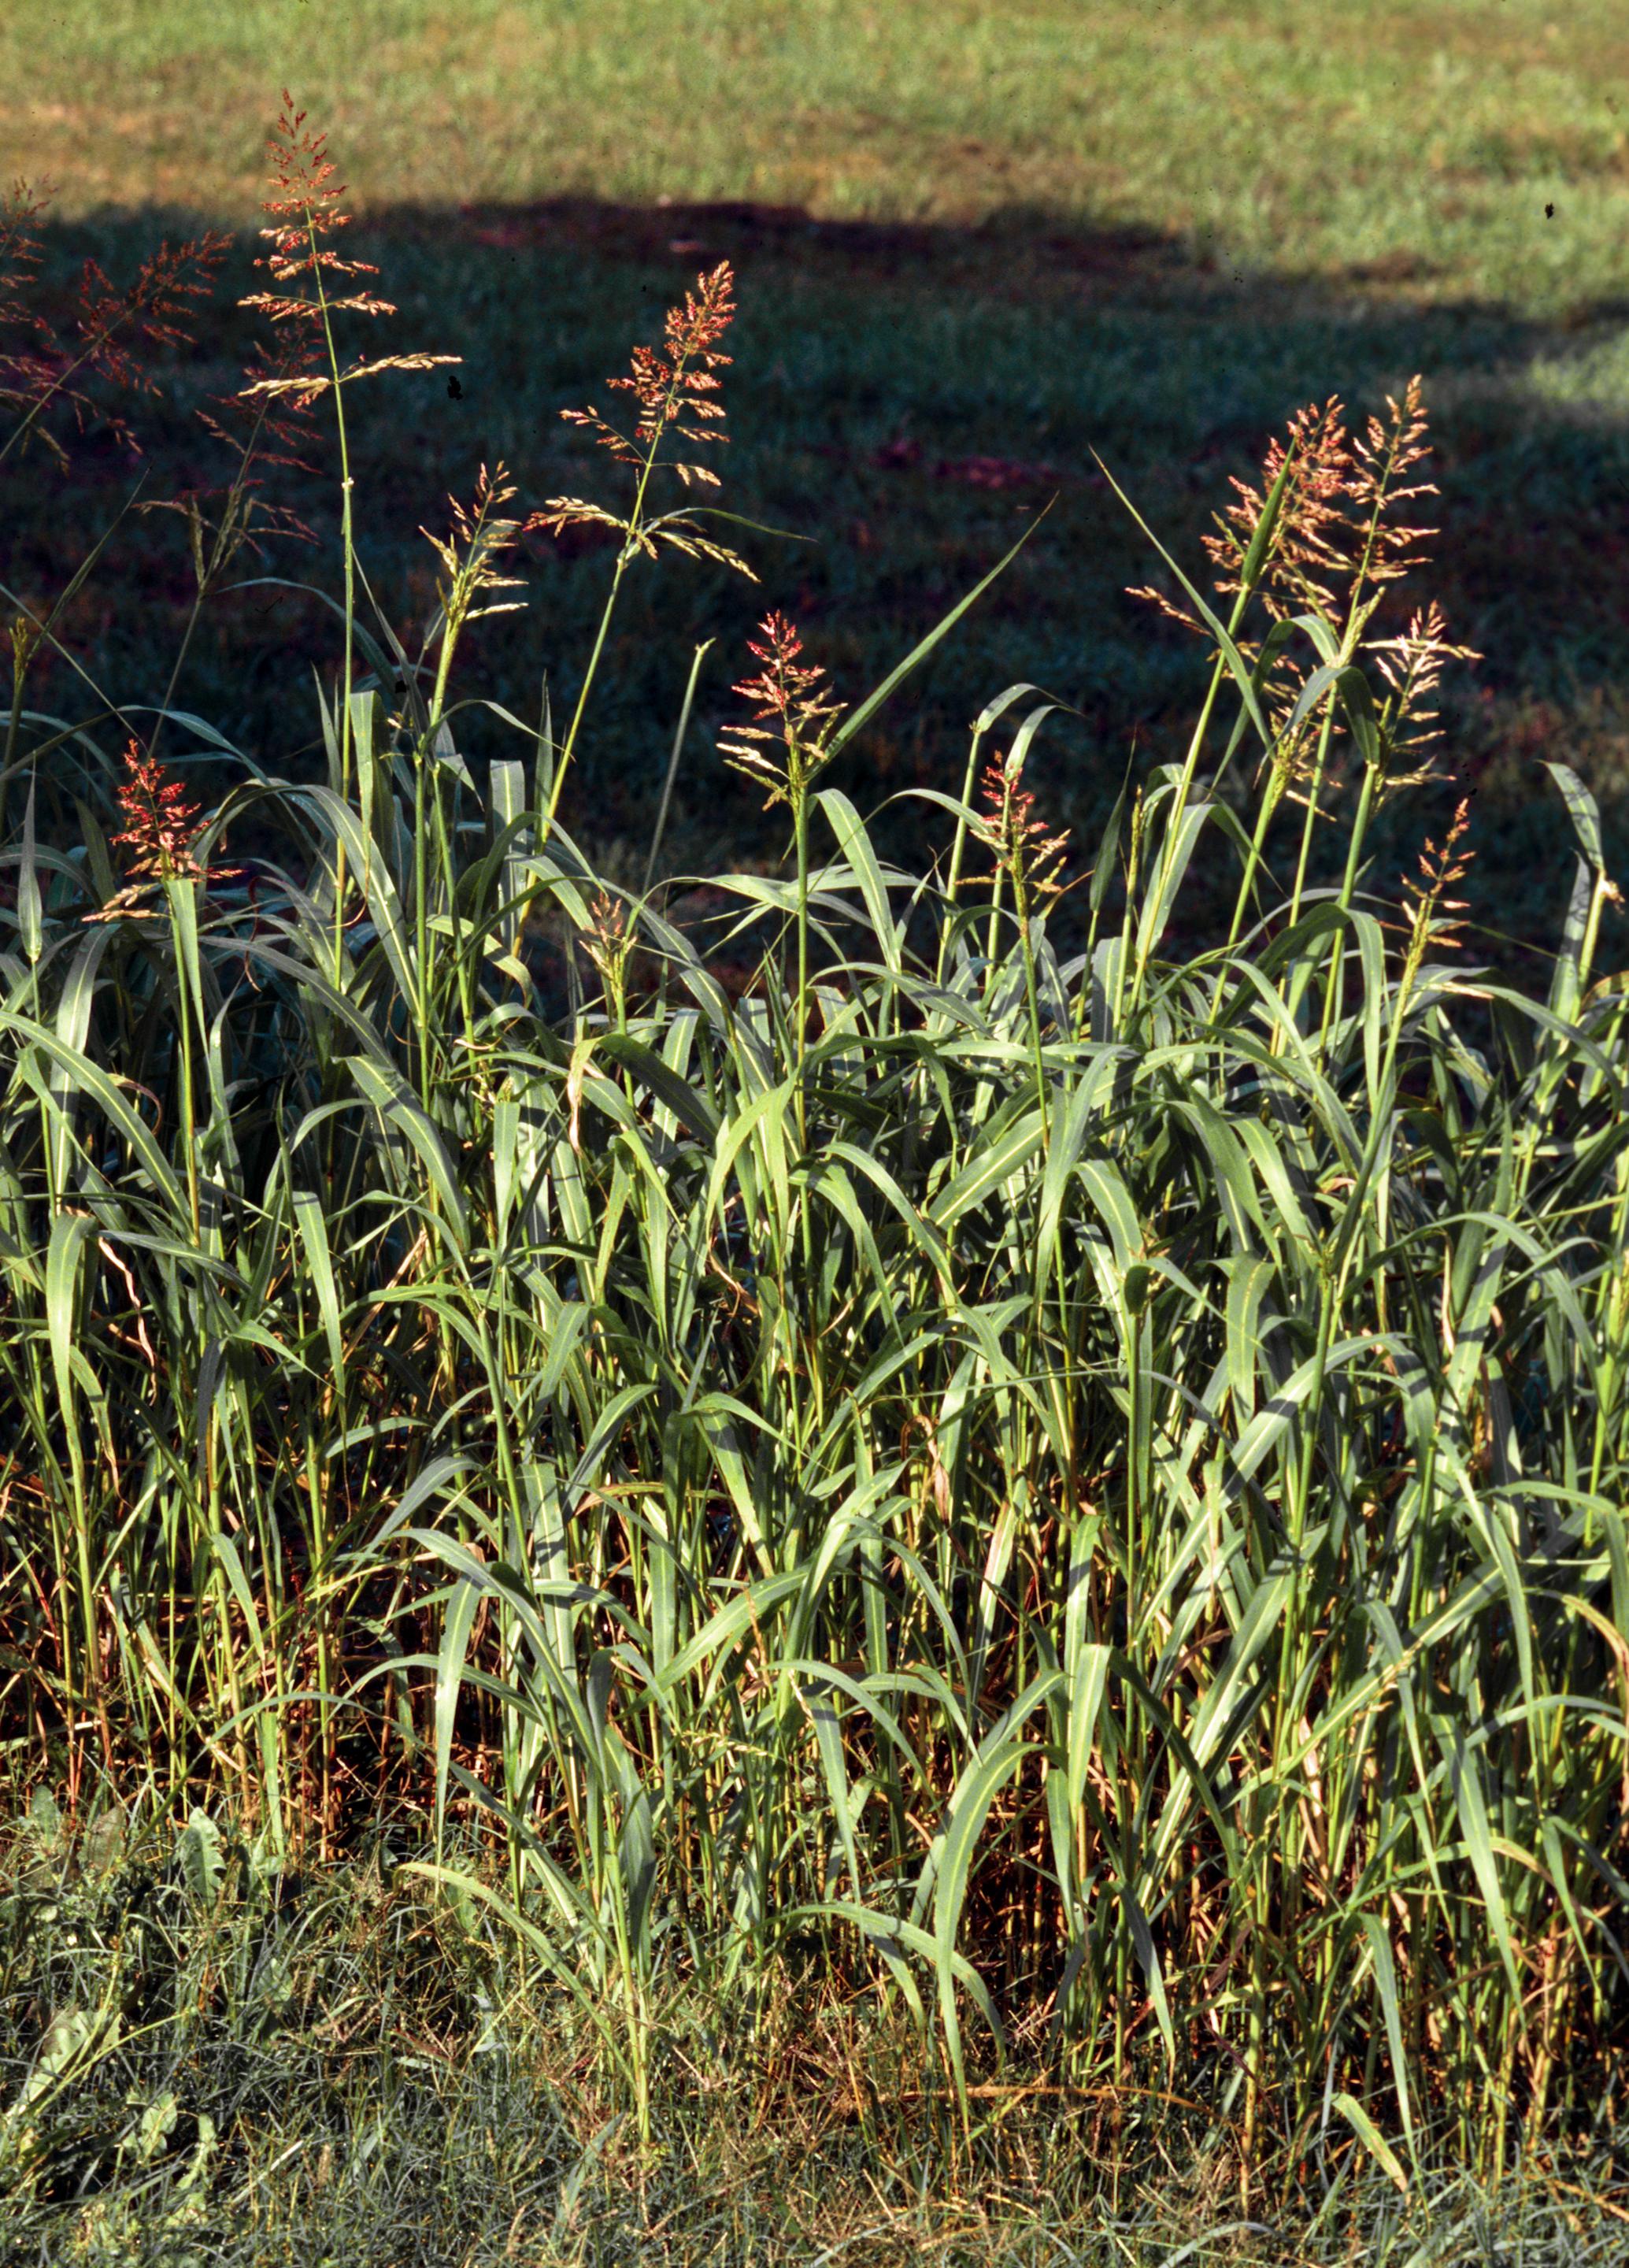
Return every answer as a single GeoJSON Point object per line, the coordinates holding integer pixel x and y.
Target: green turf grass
{"type": "Point", "coordinates": [1424, 138]}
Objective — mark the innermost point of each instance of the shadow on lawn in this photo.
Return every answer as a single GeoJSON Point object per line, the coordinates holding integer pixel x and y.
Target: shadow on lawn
{"type": "Point", "coordinates": [902, 399]}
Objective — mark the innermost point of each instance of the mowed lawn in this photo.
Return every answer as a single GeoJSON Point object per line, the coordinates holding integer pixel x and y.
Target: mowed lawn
{"type": "Point", "coordinates": [1429, 134]}
{"type": "Point", "coordinates": [976, 244]}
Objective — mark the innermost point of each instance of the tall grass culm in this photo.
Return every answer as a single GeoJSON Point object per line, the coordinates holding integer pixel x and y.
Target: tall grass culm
{"type": "Point", "coordinates": [1058, 1457]}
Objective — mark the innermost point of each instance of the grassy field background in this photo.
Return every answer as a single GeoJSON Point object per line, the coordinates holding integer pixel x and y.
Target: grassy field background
{"type": "Point", "coordinates": [974, 245]}
{"type": "Point", "coordinates": [1425, 136]}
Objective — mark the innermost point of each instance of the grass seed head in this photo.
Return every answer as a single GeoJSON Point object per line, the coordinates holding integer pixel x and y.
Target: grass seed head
{"type": "Point", "coordinates": [112, 332]}
{"type": "Point", "coordinates": [160, 823]}
{"type": "Point", "coordinates": [303, 209]}
{"type": "Point", "coordinates": [1308, 550]}
{"type": "Point", "coordinates": [1432, 917]}
{"type": "Point", "coordinates": [793, 717]}
{"type": "Point", "coordinates": [21, 255]}
{"type": "Point", "coordinates": [609, 942]}
{"type": "Point", "coordinates": [1016, 837]}
{"type": "Point", "coordinates": [674, 385]}
{"type": "Point", "coordinates": [1412, 665]}
{"type": "Point", "coordinates": [1338, 533]}
{"type": "Point", "coordinates": [1383, 457]}
{"type": "Point", "coordinates": [155, 311]}
{"type": "Point", "coordinates": [26, 635]}
{"type": "Point", "coordinates": [471, 554]}
{"type": "Point", "coordinates": [314, 283]}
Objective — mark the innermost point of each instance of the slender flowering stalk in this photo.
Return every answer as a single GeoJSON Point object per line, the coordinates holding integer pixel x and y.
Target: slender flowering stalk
{"type": "Point", "coordinates": [1307, 556]}
{"type": "Point", "coordinates": [160, 827]}
{"type": "Point", "coordinates": [675, 388]}
{"type": "Point", "coordinates": [313, 284]}
{"type": "Point", "coordinates": [110, 337]}
{"type": "Point", "coordinates": [469, 557]}
{"type": "Point", "coordinates": [1385, 456]}
{"type": "Point", "coordinates": [224, 522]}
{"type": "Point", "coordinates": [1031, 860]}
{"type": "Point", "coordinates": [1345, 532]}
{"type": "Point", "coordinates": [1017, 837]}
{"type": "Point", "coordinates": [1432, 916]}
{"type": "Point", "coordinates": [471, 561]}
{"type": "Point", "coordinates": [1253, 565]}
{"type": "Point", "coordinates": [1307, 551]}
{"type": "Point", "coordinates": [21, 255]}
{"type": "Point", "coordinates": [785, 747]}
{"type": "Point", "coordinates": [1411, 666]}
{"type": "Point", "coordinates": [26, 637]}
{"type": "Point", "coordinates": [1379, 548]}
{"type": "Point", "coordinates": [25, 367]}
{"type": "Point", "coordinates": [793, 716]}
{"type": "Point", "coordinates": [112, 332]}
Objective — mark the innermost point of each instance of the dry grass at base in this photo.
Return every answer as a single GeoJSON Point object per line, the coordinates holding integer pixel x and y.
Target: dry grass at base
{"type": "Point", "coordinates": [335, 2069]}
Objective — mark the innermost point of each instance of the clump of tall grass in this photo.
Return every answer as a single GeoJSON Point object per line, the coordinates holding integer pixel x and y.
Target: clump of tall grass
{"type": "Point", "coordinates": [1054, 1463]}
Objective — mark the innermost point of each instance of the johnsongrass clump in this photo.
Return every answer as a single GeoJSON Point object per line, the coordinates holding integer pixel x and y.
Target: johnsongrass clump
{"type": "Point", "coordinates": [1049, 1464]}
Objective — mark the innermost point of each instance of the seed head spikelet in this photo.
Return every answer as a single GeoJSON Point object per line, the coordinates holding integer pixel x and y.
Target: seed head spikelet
{"type": "Point", "coordinates": [314, 282]}
{"type": "Point", "coordinates": [1337, 534]}
{"type": "Point", "coordinates": [1308, 550]}
{"type": "Point", "coordinates": [1346, 531]}
{"type": "Point", "coordinates": [160, 823]}
{"type": "Point", "coordinates": [27, 350]}
{"type": "Point", "coordinates": [265, 426]}
{"type": "Point", "coordinates": [21, 254]}
{"type": "Point", "coordinates": [303, 210]}
{"type": "Point", "coordinates": [1389, 450]}
{"type": "Point", "coordinates": [675, 382]}
{"type": "Point", "coordinates": [793, 717]}
{"type": "Point", "coordinates": [610, 943]}
{"type": "Point", "coordinates": [154, 311]}
{"type": "Point", "coordinates": [1016, 834]}
{"type": "Point", "coordinates": [1432, 916]}
{"type": "Point", "coordinates": [1412, 665]}
{"type": "Point", "coordinates": [471, 554]}
{"type": "Point", "coordinates": [675, 388]}
{"type": "Point", "coordinates": [113, 331]}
